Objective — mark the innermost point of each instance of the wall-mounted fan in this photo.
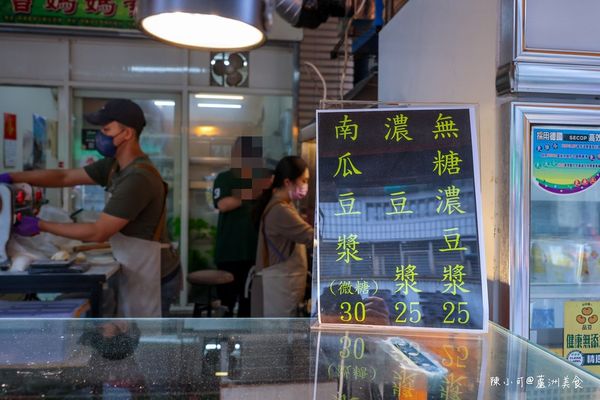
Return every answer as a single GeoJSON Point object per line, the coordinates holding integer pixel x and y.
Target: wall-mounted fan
{"type": "Point", "coordinates": [229, 69]}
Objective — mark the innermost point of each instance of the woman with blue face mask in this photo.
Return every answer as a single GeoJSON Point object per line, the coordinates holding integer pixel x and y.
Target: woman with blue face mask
{"type": "Point", "coordinates": [133, 220]}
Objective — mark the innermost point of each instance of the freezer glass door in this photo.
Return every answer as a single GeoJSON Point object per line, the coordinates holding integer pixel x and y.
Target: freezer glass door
{"type": "Point", "coordinates": [160, 140]}
{"type": "Point", "coordinates": [216, 121]}
{"type": "Point", "coordinates": [564, 253]}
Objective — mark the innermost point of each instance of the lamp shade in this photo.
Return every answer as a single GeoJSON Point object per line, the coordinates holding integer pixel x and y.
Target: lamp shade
{"type": "Point", "coordinates": [204, 24]}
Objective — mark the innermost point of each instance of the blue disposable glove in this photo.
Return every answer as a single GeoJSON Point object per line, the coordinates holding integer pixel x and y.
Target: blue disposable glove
{"type": "Point", "coordinates": [5, 178]}
{"type": "Point", "coordinates": [28, 226]}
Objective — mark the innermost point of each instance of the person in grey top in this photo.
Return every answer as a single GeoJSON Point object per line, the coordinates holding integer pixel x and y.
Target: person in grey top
{"type": "Point", "coordinates": [281, 262]}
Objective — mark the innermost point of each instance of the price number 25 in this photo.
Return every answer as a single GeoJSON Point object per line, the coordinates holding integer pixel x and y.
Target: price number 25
{"type": "Point", "coordinates": [456, 312]}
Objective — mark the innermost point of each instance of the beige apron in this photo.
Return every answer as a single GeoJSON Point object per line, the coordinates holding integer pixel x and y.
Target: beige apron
{"type": "Point", "coordinates": [139, 280]}
{"type": "Point", "coordinates": [139, 294]}
{"type": "Point", "coordinates": [278, 289]}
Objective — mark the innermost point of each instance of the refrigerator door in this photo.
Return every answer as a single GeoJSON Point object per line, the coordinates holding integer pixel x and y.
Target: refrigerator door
{"type": "Point", "coordinates": [160, 140]}
{"type": "Point", "coordinates": [555, 228]}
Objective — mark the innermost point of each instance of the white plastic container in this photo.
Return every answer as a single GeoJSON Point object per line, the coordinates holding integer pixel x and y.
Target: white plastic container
{"type": "Point", "coordinates": [561, 260]}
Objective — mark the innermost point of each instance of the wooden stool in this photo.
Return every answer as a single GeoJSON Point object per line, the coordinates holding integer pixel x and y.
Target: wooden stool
{"type": "Point", "coordinates": [209, 278]}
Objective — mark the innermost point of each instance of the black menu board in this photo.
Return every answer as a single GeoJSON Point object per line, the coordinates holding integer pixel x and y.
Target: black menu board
{"type": "Point", "coordinates": [399, 224]}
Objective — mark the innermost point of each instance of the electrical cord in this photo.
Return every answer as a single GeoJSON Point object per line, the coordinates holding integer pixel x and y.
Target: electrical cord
{"type": "Point", "coordinates": [314, 67]}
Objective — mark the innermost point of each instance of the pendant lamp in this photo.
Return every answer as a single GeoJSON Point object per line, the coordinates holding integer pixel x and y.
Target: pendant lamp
{"type": "Point", "coordinates": [227, 25]}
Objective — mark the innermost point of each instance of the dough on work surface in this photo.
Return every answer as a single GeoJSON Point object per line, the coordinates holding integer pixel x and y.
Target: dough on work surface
{"type": "Point", "coordinates": [61, 255]}
{"type": "Point", "coordinates": [80, 257]}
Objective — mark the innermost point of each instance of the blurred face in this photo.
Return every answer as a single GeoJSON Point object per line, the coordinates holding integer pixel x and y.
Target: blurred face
{"type": "Point", "coordinates": [298, 189]}
{"type": "Point", "coordinates": [246, 156]}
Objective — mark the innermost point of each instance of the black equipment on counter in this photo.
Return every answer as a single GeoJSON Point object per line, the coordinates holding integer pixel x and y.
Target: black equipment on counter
{"type": "Point", "coordinates": [56, 267]}
{"type": "Point", "coordinates": [16, 201]}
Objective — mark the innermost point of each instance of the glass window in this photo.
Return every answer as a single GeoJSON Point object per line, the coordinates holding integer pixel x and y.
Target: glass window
{"type": "Point", "coordinates": [216, 121]}
{"type": "Point", "coordinates": [160, 140]}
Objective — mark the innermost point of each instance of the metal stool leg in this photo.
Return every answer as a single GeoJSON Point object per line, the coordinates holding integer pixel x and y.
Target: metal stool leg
{"type": "Point", "coordinates": [199, 307]}
{"type": "Point", "coordinates": [197, 310]}
{"type": "Point", "coordinates": [208, 279]}
{"type": "Point", "coordinates": [209, 303]}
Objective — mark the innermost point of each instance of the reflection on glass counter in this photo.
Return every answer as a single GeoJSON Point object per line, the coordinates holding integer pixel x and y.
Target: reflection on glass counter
{"type": "Point", "coordinates": [273, 359]}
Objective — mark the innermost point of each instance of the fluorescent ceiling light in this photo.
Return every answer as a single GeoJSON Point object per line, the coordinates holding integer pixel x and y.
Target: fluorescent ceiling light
{"type": "Point", "coordinates": [218, 96]}
{"type": "Point", "coordinates": [218, 105]}
{"type": "Point", "coordinates": [164, 103]}
{"type": "Point", "coordinates": [145, 69]}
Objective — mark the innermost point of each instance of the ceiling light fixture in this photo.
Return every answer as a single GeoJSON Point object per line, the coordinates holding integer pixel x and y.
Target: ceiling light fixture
{"type": "Point", "coordinates": [218, 105]}
{"type": "Point", "coordinates": [206, 24]}
{"type": "Point", "coordinates": [205, 130]}
{"type": "Point", "coordinates": [164, 103]}
{"type": "Point", "coordinates": [218, 96]}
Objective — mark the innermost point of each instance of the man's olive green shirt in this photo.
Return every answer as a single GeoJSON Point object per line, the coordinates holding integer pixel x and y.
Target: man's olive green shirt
{"type": "Point", "coordinates": [138, 196]}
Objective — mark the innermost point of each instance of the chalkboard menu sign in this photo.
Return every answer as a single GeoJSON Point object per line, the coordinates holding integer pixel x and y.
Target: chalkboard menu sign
{"type": "Point", "coordinates": [399, 224]}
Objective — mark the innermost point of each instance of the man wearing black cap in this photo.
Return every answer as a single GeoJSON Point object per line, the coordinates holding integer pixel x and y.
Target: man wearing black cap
{"type": "Point", "coordinates": [133, 219]}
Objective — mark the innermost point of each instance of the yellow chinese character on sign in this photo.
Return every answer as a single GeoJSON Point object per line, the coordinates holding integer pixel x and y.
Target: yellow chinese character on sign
{"type": "Point", "coordinates": [347, 204]}
{"type": "Point", "coordinates": [452, 389]}
{"type": "Point", "coordinates": [347, 244]}
{"type": "Point", "coordinates": [405, 384]}
{"type": "Point", "coordinates": [360, 373]}
{"type": "Point", "coordinates": [397, 129]}
{"type": "Point", "coordinates": [345, 371]}
{"type": "Point", "coordinates": [346, 288]}
{"type": "Point", "coordinates": [452, 238]}
{"type": "Point", "coordinates": [346, 130]}
{"type": "Point", "coordinates": [454, 276]}
{"type": "Point", "coordinates": [398, 203]}
{"type": "Point", "coordinates": [446, 163]}
{"type": "Point", "coordinates": [445, 127]}
{"type": "Point", "coordinates": [362, 287]}
{"type": "Point", "coordinates": [346, 166]}
{"type": "Point", "coordinates": [451, 202]}
{"type": "Point", "coordinates": [405, 276]}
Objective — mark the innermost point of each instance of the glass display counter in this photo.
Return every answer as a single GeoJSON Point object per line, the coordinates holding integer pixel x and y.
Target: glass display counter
{"type": "Point", "coordinates": [273, 359]}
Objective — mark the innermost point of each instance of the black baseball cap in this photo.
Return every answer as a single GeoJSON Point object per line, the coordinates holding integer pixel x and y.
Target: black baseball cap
{"type": "Point", "coordinates": [121, 110]}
